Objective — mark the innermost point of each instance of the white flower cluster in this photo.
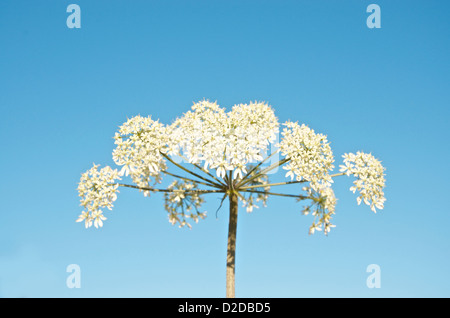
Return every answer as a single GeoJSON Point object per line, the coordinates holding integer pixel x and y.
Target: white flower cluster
{"type": "Point", "coordinates": [250, 201]}
{"type": "Point", "coordinates": [181, 203]}
{"type": "Point", "coordinates": [310, 155]}
{"type": "Point", "coordinates": [322, 207]}
{"type": "Point", "coordinates": [224, 141]}
{"type": "Point", "coordinates": [140, 142]}
{"type": "Point", "coordinates": [369, 181]}
{"type": "Point", "coordinates": [232, 143]}
{"type": "Point", "coordinates": [97, 191]}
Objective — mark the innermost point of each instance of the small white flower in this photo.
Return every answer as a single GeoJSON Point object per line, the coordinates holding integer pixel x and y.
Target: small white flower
{"type": "Point", "coordinates": [220, 171]}
{"type": "Point", "coordinates": [84, 216]}
{"type": "Point", "coordinates": [314, 227]}
{"type": "Point", "coordinates": [98, 217]}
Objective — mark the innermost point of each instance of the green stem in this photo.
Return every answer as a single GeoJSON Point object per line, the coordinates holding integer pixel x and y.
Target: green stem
{"type": "Point", "coordinates": [169, 190]}
{"type": "Point", "coordinates": [230, 181]}
{"type": "Point", "coordinates": [190, 172]}
{"type": "Point", "coordinates": [272, 166]}
{"type": "Point", "coordinates": [256, 167]}
{"type": "Point", "coordinates": [302, 197]}
{"type": "Point", "coordinates": [204, 170]}
{"type": "Point", "coordinates": [187, 179]}
{"type": "Point", "coordinates": [271, 184]}
{"type": "Point", "coordinates": [337, 174]}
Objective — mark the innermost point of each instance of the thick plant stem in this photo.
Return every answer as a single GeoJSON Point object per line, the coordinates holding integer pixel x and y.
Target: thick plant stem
{"type": "Point", "coordinates": [231, 248]}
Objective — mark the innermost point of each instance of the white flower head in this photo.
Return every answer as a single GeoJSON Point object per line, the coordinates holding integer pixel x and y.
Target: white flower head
{"type": "Point", "coordinates": [97, 190]}
{"type": "Point", "coordinates": [139, 144]}
{"type": "Point", "coordinates": [369, 174]}
{"type": "Point", "coordinates": [225, 141]}
{"type": "Point", "coordinates": [182, 202]}
{"type": "Point", "coordinates": [323, 208]}
{"type": "Point", "coordinates": [310, 156]}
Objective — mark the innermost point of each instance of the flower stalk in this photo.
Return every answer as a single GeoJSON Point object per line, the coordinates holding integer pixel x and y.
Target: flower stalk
{"type": "Point", "coordinates": [231, 245]}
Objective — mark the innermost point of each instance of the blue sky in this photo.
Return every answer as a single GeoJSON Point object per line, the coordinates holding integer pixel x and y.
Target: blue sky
{"type": "Point", "coordinates": [64, 92]}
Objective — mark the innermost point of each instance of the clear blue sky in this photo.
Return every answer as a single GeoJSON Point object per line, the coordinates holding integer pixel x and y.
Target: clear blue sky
{"type": "Point", "coordinates": [64, 92]}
